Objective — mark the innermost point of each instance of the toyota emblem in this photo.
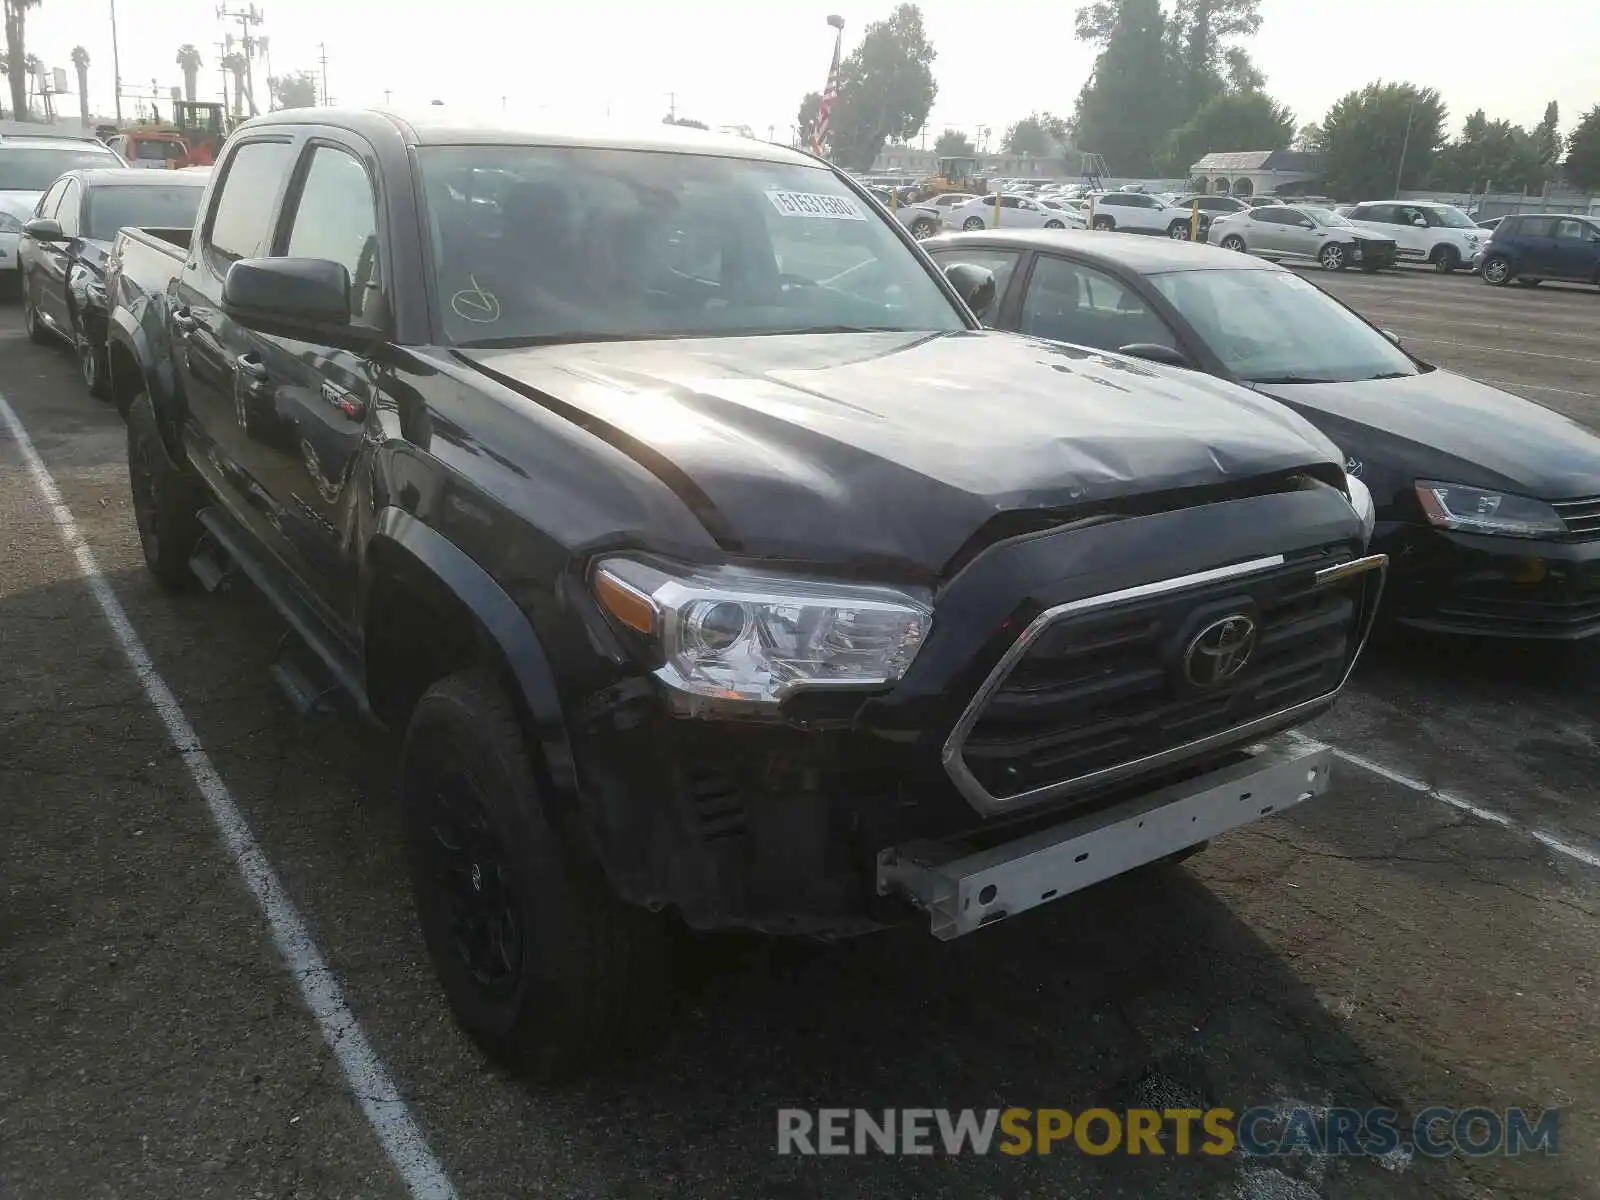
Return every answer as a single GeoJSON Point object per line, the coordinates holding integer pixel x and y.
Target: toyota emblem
{"type": "Point", "coordinates": [1220, 651]}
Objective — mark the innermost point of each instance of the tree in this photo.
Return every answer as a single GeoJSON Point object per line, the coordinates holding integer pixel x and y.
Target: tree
{"type": "Point", "coordinates": [1365, 136]}
{"type": "Point", "coordinates": [1202, 27]}
{"type": "Point", "coordinates": [1233, 121]}
{"type": "Point", "coordinates": [295, 90]}
{"type": "Point", "coordinates": [886, 89]}
{"type": "Point", "coordinates": [80, 64]}
{"type": "Point", "coordinates": [1037, 135]}
{"type": "Point", "coordinates": [1583, 152]}
{"type": "Point", "coordinates": [1490, 152]}
{"type": "Point", "coordinates": [189, 59]}
{"type": "Point", "coordinates": [808, 116]}
{"type": "Point", "coordinates": [1126, 107]}
{"type": "Point", "coordinates": [952, 143]}
{"type": "Point", "coordinates": [1547, 138]}
{"type": "Point", "coordinates": [17, 73]}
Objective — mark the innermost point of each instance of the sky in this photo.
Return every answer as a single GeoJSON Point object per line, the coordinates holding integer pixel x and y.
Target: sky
{"type": "Point", "coordinates": [750, 61]}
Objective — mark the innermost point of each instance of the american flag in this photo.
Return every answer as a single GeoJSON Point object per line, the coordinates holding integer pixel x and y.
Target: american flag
{"type": "Point", "coordinates": [829, 95]}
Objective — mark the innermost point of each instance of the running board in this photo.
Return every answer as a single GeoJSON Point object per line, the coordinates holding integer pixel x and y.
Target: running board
{"type": "Point", "coordinates": [297, 614]}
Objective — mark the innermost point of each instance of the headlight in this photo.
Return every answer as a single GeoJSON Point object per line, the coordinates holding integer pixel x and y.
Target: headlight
{"type": "Point", "coordinates": [747, 639]}
{"type": "Point", "coordinates": [9, 224]}
{"type": "Point", "coordinates": [1361, 501]}
{"type": "Point", "coordinates": [1478, 510]}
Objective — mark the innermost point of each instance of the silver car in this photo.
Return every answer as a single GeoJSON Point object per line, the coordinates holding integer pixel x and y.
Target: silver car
{"type": "Point", "coordinates": [1306, 232]}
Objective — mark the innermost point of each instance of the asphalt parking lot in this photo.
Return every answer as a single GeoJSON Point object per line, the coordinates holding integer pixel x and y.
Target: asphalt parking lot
{"type": "Point", "coordinates": [1423, 935]}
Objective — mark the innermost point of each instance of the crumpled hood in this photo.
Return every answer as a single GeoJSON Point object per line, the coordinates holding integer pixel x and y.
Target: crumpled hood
{"type": "Point", "coordinates": [19, 204]}
{"type": "Point", "coordinates": [1458, 429]}
{"type": "Point", "coordinates": [841, 446]}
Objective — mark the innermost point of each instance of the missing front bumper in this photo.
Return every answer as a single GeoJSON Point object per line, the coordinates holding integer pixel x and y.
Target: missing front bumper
{"type": "Point", "coordinates": [963, 892]}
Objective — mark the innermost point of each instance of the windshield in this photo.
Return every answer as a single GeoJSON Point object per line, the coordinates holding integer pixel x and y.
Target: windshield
{"type": "Point", "coordinates": [1326, 216]}
{"type": "Point", "coordinates": [35, 168]}
{"type": "Point", "coordinates": [157, 149]}
{"type": "Point", "coordinates": [165, 206]}
{"type": "Point", "coordinates": [1450, 218]}
{"type": "Point", "coordinates": [1274, 327]}
{"type": "Point", "coordinates": [538, 243]}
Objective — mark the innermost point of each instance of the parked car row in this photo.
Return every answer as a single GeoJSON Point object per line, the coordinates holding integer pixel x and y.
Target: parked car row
{"type": "Point", "coordinates": [32, 157]}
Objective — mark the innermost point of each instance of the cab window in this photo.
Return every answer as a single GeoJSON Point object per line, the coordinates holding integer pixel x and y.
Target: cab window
{"type": "Point", "coordinates": [336, 218]}
{"type": "Point", "coordinates": [1068, 302]}
{"type": "Point", "coordinates": [241, 219]}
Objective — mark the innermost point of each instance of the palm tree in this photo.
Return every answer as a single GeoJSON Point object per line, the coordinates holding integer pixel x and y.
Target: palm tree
{"type": "Point", "coordinates": [16, 54]}
{"type": "Point", "coordinates": [236, 65]}
{"type": "Point", "coordinates": [80, 63]}
{"type": "Point", "coordinates": [189, 59]}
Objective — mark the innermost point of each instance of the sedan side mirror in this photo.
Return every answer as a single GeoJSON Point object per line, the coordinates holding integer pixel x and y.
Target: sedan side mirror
{"type": "Point", "coordinates": [975, 285]}
{"type": "Point", "coordinates": [307, 299]}
{"type": "Point", "coordinates": [1392, 336]}
{"type": "Point", "coordinates": [1155, 352]}
{"type": "Point", "coordinates": [44, 229]}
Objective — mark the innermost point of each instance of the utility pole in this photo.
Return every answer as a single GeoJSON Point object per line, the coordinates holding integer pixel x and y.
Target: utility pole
{"type": "Point", "coordinates": [386, 97]}
{"type": "Point", "coordinates": [1405, 145]}
{"type": "Point", "coordinates": [322, 53]}
{"type": "Point", "coordinates": [116, 62]}
{"type": "Point", "coordinates": [248, 19]}
{"type": "Point", "coordinates": [672, 106]}
{"type": "Point", "coordinates": [224, 48]}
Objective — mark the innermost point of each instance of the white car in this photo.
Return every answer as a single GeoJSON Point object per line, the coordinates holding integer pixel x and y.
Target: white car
{"type": "Point", "coordinates": [922, 220]}
{"type": "Point", "coordinates": [1440, 234]}
{"type": "Point", "coordinates": [29, 164]}
{"type": "Point", "coordinates": [1305, 231]}
{"type": "Point", "coordinates": [1138, 212]}
{"type": "Point", "coordinates": [1015, 212]}
{"type": "Point", "coordinates": [948, 200]}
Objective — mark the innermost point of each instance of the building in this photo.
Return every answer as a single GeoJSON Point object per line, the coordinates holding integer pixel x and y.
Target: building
{"type": "Point", "coordinates": [1258, 172]}
{"type": "Point", "coordinates": [920, 163]}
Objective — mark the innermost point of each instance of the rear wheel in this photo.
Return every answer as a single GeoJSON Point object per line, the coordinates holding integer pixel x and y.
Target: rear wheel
{"type": "Point", "coordinates": [166, 501]}
{"type": "Point", "coordinates": [1445, 260]}
{"type": "Point", "coordinates": [972, 223]}
{"type": "Point", "coordinates": [1233, 242]}
{"type": "Point", "coordinates": [543, 966]}
{"type": "Point", "coordinates": [1105, 224]}
{"type": "Point", "coordinates": [922, 227]}
{"type": "Point", "coordinates": [1333, 257]}
{"type": "Point", "coordinates": [1497, 270]}
{"type": "Point", "coordinates": [1052, 223]}
{"type": "Point", "coordinates": [1179, 231]}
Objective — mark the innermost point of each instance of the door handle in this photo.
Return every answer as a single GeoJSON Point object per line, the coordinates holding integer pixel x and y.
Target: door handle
{"type": "Point", "coordinates": [251, 367]}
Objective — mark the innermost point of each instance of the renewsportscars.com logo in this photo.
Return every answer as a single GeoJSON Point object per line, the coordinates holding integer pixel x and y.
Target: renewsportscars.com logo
{"type": "Point", "coordinates": [1435, 1132]}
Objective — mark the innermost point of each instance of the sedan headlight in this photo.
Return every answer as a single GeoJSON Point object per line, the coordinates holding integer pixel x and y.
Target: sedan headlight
{"type": "Point", "coordinates": [743, 639]}
{"type": "Point", "coordinates": [1361, 501]}
{"type": "Point", "coordinates": [9, 223]}
{"type": "Point", "coordinates": [1480, 510]}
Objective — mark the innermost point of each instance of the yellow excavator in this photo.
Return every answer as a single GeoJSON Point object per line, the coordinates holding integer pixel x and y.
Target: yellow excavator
{"type": "Point", "coordinates": [955, 174]}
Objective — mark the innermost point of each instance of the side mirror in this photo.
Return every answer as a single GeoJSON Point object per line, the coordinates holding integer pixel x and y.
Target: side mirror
{"type": "Point", "coordinates": [307, 299]}
{"type": "Point", "coordinates": [975, 285]}
{"type": "Point", "coordinates": [44, 229]}
{"type": "Point", "coordinates": [1392, 336]}
{"type": "Point", "coordinates": [1155, 352]}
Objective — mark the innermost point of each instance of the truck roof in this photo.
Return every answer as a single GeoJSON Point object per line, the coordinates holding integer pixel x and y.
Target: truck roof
{"type": "Point", "coordinates": [439, 126]}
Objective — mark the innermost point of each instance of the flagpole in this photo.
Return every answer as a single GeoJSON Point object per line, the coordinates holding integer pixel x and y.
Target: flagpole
{"type": "Point", "coordinates": [830, 89]}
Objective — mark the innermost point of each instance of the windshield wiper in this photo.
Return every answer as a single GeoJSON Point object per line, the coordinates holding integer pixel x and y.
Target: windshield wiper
{"type": "Point", "coordinates": [522, 341]}
{"type": "Point", "coordinates": [1392, 375]}
{"type": "Point", "coordinates": [1272, 379]}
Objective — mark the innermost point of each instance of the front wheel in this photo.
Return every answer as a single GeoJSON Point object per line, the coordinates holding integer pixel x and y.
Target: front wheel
{"type": "Point", "coordinates": [166, 501]}
{"type": "Point", "coordinates": [1233, 242]}
{"type": "Point", "coordinates": [1179, 231]}
{"type": "Point", "coordinates": [1445, 260]}
{"type": "Point", "coordinates": [1333, 257]}
{"type": "Point", "coordinates": [972, 223]}
{"type": "Point", "coordinates": [1497, 270]}
{"type": "Point", "coordinates": [1105, 224]}
{"type": "Point", "coordinates": [1052, 223]}
{"type": "Point", "coordinates": [922, 228]}
{"type": "Point", "coordinates": [543, 966]}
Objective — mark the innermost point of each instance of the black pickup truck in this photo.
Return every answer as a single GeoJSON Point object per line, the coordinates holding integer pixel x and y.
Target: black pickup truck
{"type": "Point", "coordinates": [716, 566]}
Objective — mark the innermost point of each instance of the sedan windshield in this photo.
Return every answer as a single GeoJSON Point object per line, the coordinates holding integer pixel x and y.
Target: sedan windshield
{"type": "Point", "coordinates": [547, 244]}
{"type": "Point", "coordinates": [164, 206]}
{"type": "Point", "coordinates": [35, 168]}
{"type": "Point", "coordinates": [1326, 216]}
{"type": "Point", "coordinates": [1274, 327]}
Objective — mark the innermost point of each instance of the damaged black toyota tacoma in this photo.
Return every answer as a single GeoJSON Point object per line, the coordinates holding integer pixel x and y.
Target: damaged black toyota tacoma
{"type": "Point", "coordinates": [716, 566]}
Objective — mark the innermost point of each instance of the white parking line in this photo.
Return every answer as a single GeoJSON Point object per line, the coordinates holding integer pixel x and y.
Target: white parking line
{"type": "Point", "coordinates": [1559, 845]}
{"type": "Point", "coordinates": [1539, 387]}
{"type": "Point", "coordinates": [398, 1132]}
{"type": "Point", "coordinates": [1506, 350]}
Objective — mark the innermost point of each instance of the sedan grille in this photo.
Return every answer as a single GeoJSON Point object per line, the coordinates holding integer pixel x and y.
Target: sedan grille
{"type": "Point", "coordinates": [1107, 693]}
{"type": "Point", "coordinates": [1582, 518]}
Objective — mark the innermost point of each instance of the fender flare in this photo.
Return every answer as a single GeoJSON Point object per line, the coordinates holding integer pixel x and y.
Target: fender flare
{"type": "Point", "coordinates": [157, 375]}
{"type": "Point", "coordinates": [507, 627]}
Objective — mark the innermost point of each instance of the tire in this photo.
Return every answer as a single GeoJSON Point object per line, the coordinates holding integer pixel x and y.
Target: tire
{"type": "Point", "coordinates": [93, 368]}
{"type": "Point", "coordinates": [972, 223]}
{"type": "Point", "coordinates": [921, 228]}
{"type": "Point", "coordinates": [166, 500]}
{"type": "Point", "coordinates": [1234, 242]}
{"type": "Point", "coordinates": [1105, 224]}
{"type": "Point", "coordinates": [1179, 231]}
{"type": "Point", "coordinates": [1445, 260]}
{"type": "Point", "coordinates": [1497, 270]}
{"type": "Point", "coordinates": [1333, 257]}
{"type": "Point", "coordinates": [37, 333]}
{"type": "Point", "coordinates": [543, 966]}
{"type": "Point", "coordinates": [1054, 224]}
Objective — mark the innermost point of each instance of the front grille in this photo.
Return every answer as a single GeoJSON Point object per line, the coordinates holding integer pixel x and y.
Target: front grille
{"type": "Point", "coordinates": [1503, 609]}
{"type": "Point", "coordinates": [1105, 688]}
{"type": "Point", "coordinates": [1582, 518]}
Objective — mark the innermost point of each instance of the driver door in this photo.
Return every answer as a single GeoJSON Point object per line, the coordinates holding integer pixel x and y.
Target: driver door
{"type": "Point", "coordinates": [1300, 235]}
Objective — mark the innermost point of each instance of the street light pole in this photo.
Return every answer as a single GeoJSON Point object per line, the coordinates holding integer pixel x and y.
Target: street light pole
{"type": "Point", "coordinates": [116, 62]}
{"type": "Point", "coordinates": [1405, 145]}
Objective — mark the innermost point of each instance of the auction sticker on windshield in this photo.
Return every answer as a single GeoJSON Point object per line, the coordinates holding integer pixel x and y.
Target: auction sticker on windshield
{"type": "Point", "coordinates": [811, 204]}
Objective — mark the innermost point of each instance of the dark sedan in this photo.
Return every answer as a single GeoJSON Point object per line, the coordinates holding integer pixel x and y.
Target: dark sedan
{"type": "Point", "coordinates": [1487, 504]}
{"type": "Point", "coordinates": [63, 249]}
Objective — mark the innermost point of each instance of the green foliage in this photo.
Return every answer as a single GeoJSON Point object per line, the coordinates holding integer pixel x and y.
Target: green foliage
{"type": "Point", "coordinates": [953, 142]}
{"type": "Point", "coordinates": [296, 90]}
{"type": "Point", "coordinates": [1200, 29]}
{"type": "Point", "coordinates": [886, 89]}
{"type": "Point", "coordinates": [1547, 140]}
{"type": "Point", "coordinates": [806, 118]}
{"type": "Point", "coordinates": [1583, 152]}
{"type": "Point", "coordinates": [1125, 109]}
{"type": "Point", "coordinates": [1365, 135]}
{"type": "Point", "coordinates": [1491, 152]}
{"type": "Point", "coordinates": [16, 53]}
{"type": "Point", "coordinates": [1037, 136]}
{"type": "Point", "coordinates": [1233, 121]}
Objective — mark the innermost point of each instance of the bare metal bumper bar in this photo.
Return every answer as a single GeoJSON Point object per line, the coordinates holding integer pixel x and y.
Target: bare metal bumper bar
{"type": "Point", "coordinates": [962, 893]}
